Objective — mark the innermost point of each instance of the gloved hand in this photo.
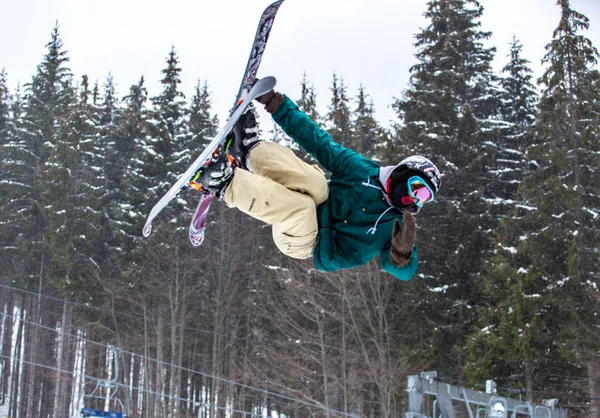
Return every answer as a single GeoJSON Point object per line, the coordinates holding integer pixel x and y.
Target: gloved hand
{"type": "Point", "coordinates": [403, 240]}
{"type": "Point", "coordinates": [272, 101]}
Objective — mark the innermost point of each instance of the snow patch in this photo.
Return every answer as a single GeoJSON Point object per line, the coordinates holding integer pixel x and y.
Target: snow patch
{"type": "Point", "coordinates": [275, 268]}
{"type": "Point", "coordinates": [511, 250]}
{"type": "Point", "coordinates": [441, 289]}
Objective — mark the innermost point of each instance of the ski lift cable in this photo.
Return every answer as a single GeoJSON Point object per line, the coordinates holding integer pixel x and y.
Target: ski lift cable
{"type": "Point", "coordinates": [293, 347]}
{"type": "Point", "coordinates": [146, 391]}
{"type": "Point", "coordinates": [164, 363]}
{"type": "Point", "coordinates": [177, 398]}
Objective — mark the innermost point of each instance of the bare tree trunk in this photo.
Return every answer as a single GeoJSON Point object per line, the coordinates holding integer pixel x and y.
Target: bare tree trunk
{"type": "Point", "coordinates": [593, 368]}
{"type": "Point", "coordinates": [368, 304]}
{"type": "Point", "coordinates": [160, 371]}
{"type": "Point", "coordinates": [77, 379]}
{"type": "Point", "coordinates": [15, 393]}
{"type": "Point", "coordinates": [36, 318]}
{"type": "Point", "coordinates": [147, 409]}
{"type": "Point", "coordinates": [216, 357]}
{"type": "Point", "coordinates": [529, 369]}
{"type": "Point", "coordinates": [59, 364]}
{"type": "Point", "coordinates": [174, 302]}
{"type": "Point", "coordinates": [180, 352]}
{"type": "Point", "coordinates": [323, 360]}
{"type": "Point", "coordinates": [344, 360]}
{"type": "Point", "coordinates": [6, 344]}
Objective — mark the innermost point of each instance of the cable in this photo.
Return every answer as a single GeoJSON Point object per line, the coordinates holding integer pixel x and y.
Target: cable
{"type": "Point", "coordinates": [126, 387]}
{"type": "Point", "coordinates": [203, 331]}
{"type": "Point", "coordinates": [164, 363]}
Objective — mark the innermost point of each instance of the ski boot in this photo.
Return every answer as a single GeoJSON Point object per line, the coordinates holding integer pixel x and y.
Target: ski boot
{"type": "Point", "coordinates": [216, 174]}
{"type": "Point", "coordinates": [243, 139]}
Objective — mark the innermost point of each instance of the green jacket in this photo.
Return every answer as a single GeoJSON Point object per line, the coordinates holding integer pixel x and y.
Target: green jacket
{"type": "Point", "coordinates": [356, 221]}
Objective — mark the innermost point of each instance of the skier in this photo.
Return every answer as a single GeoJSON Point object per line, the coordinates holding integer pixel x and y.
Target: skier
{"type": "Point", "coordinates": [363, 211]}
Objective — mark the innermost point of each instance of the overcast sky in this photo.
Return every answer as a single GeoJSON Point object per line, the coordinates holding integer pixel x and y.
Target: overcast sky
{"type": "Point", "coordinates": [368, 42]}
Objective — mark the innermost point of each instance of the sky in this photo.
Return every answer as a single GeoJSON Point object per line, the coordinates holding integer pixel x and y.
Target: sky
{"type": "Point", "coordinates": [365, 42]}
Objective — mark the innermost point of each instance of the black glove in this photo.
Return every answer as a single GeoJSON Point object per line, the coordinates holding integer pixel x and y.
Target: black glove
{"type": "Point", "coordinates": [272, 101]}
{"type": "Point", "coordinates": [403, 240]}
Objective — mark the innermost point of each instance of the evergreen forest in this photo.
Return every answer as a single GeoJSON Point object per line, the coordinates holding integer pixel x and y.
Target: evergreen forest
{"type": "Point", "coordinates": [509, 253]}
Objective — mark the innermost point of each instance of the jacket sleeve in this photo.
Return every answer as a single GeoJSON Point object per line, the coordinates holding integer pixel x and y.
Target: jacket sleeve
{"type": "Point", "coordinates": [405, 272]}
{"type": "Point", "coordinates": [313, 139]}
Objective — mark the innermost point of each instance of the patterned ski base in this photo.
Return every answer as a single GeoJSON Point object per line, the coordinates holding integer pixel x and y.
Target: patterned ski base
{"type": "Point", "coordinates": [198, 225]}
{"type": "Point", "coordinates": [263, 86]}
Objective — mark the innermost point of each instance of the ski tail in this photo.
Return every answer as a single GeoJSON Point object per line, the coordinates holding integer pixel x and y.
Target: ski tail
{"type": "Point", "coordinates": [198, 224]}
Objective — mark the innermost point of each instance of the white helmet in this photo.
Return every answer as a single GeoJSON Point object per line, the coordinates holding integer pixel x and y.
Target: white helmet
{"type": "Point", "coordinates": [426, 167]}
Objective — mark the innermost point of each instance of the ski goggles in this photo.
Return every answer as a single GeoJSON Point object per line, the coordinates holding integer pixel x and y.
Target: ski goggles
{"type": "Point", "coordinates": [419, 192]}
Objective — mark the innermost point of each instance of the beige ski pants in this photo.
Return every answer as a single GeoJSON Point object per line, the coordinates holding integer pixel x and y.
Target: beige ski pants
{"type": "Point", "coordinates": [283, 191]}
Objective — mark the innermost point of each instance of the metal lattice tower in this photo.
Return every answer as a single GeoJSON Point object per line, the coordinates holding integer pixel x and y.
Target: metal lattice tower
{"type": "Point", "coordinates": [477, 404]}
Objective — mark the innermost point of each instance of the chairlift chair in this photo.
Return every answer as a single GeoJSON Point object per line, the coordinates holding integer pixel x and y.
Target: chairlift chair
{"type": "Point", "coordinates": [110, 385]}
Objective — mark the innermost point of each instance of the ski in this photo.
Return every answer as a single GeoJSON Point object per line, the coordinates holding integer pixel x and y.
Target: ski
{"type": "Point", "coordinates": [248, 91]}
{"type": "Point", "coordinates": [198, 225]}
{"type": "Point", "coordinates": [261, 87]}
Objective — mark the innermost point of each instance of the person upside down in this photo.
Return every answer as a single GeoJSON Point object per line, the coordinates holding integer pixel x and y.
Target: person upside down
{"type": "Point", "coordinates": [362, 212]}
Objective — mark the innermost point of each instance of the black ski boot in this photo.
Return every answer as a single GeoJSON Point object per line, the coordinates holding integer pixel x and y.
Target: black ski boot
{"type": "Point", "coordinates": [215, 175]}
{"type": "Point", "coordinates": [243, 138]}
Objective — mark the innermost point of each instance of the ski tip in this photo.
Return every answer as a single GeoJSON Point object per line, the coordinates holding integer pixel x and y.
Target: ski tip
{"type": "Point", "coordinates": [147, 230]}
{"type": "Point", "coordinates": [268, 83]}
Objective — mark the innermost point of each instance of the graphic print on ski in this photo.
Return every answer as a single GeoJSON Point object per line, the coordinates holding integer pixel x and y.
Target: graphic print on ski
{"type": "Point", "coordinates": [249, 90]}
{"type": "Point", "coordinates": [198, 225]}
{"type": "Point", "coordinates": [264, 85]}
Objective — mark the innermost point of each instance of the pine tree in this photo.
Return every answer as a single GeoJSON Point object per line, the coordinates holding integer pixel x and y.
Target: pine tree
{"type": "Point", "coordinates": [157, 160]}
{"type": "Point", "coordinates": [47, 98]}
{"type": "Point", "coordinates": [520, 98]}
{"type": "Point", "coordinates": [201, 125]}
{"type": "Point", "coordinates": [130, 128]}
{"type": "Point", "coordinates": [339, 113]}
{"type": "Point", "coordinates": [507, 158]}
{"type": "Point", "coordinates": [44, 108]}
{"type": "Point", "coordinates": [508, 340]}
{"type": "Point", "coordinates": [73, 189]}
{"type": "Point", "coordinates": [564, 229]}
{"type": "Point", "coordinates": [6, 125]}
{"type": "Point", "coordinates": [161, 154]}
{"type": "Point", "coordinates": [307, 103]}
{"type": "Point", "coordinates": [4, 105]}
{"type": "Point", "coordinates": [8, 230]}
{"type": "Point", "coordinates": [109, 101]}
{"type": "Point", "coordinates": [449, 113]}
{"type": "Point", "coordinates": [308, 99]}
{"type": "Point", "coordinates": [127, 179]}
{"type": "Point", "coordinates": [199, 128]}
{"type": "Point", "coordinates": [514, 340]}
{"type": "Point", "coordinates": [450, 85]}
{"type": "Point", "coordinates": [167, 123]}
{"type": "Point", "coordinates": [542, 286]}
{"type": "Point", "coordinates": [519, 112]}
{"type": "Point", "coordinates": [95, 162]}
{"type": "Point", "coordinates": [367, 132]}
{"type": "Point", "coordinates": [108, 144]}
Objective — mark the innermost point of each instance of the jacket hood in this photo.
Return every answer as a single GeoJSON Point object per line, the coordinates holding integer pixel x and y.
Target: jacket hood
{"type": "Point", "coordinates": [384, 175]}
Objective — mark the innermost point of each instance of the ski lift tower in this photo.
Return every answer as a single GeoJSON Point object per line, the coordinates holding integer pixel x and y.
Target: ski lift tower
{"type": "Point", "coordinates": [477, 404]}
